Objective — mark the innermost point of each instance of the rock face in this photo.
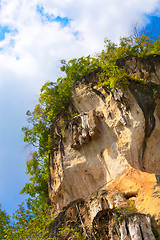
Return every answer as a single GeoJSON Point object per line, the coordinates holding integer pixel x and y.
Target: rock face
{"type": "Point", "coordinates": [95, 220]}
{"type": "Point", "coordinates": [107, 165]}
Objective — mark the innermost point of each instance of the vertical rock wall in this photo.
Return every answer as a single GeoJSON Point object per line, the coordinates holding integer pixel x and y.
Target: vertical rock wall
{"type": "Point", "coordinates": [113, 144]}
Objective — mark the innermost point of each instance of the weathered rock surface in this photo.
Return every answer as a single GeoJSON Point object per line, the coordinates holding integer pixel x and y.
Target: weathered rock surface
{"type": "Point", "coordinates": [94, 219]}
{"type": "Point", "coordinates": [112, 144]}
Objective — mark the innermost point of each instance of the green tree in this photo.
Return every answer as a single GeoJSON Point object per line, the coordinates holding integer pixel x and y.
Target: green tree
{"type": "Point", "coordinates": [53, 102]}
{"type": "Point", "coordinates": [4, 222]}
{"type": "Point", "coordinates": [37, 188]}
{"type": "Point", "coordinates": [29, 224]}
{"type": "Point", "coordinates": [156, 47]}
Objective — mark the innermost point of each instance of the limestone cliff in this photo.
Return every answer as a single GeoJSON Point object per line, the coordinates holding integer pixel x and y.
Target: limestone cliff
{"type": "Point", "coordinates": [105, 172]}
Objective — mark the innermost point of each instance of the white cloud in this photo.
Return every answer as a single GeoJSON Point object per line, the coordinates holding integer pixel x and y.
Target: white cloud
{"type": "Point", "coordinates": [39, 45]}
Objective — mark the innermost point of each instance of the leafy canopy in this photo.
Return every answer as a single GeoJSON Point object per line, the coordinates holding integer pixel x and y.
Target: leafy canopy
{"type": "Point", "coordinates": [4, 222]}
{"type": "Point", "coordinates": [54, 99]}
{"type": "Point", "coordinates": [28, 224]}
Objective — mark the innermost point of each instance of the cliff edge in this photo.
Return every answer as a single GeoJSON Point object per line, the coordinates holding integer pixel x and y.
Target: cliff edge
{"type": "Point", "coordinates": [105, 172]}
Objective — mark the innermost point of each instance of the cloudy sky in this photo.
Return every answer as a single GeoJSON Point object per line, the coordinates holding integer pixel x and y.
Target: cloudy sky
{"type": "Point", "coordinates": [34, 36]}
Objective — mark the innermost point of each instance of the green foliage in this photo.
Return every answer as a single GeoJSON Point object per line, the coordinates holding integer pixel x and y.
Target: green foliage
{"type": "Point", "coordinates": [156, 47]}
{"type": "Point", "coordinates": [112, 76]}
{"type": "Point", "coordinates": [144, 45]}
{"type": "Point", "coordinates": [113, 51]}
{"type": "Point", "coordinates": [140, 46]}
{"type": "Point", "coordinates": [4, 222]}
{"type": "Point", "coordinates": [37, 188]}
{"type": "Point", "coordinates": [53, 102]}
{"type": "Point", "coordinates": [72, 233]}
{"type": "Point", "coordinates": [122, 211]}
{"type": "Point", "coordinates": [75, 69]}
{"type": "Point", "coordinates": [29, 224]}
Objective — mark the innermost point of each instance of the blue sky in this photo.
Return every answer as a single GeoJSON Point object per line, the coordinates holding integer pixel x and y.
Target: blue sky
{"type": "Point", "coordinates": [34, 37]}
{"type": "Point", "coordinates": [50, 17]}
{"type": "Point", "coordinates": [153, 26]}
